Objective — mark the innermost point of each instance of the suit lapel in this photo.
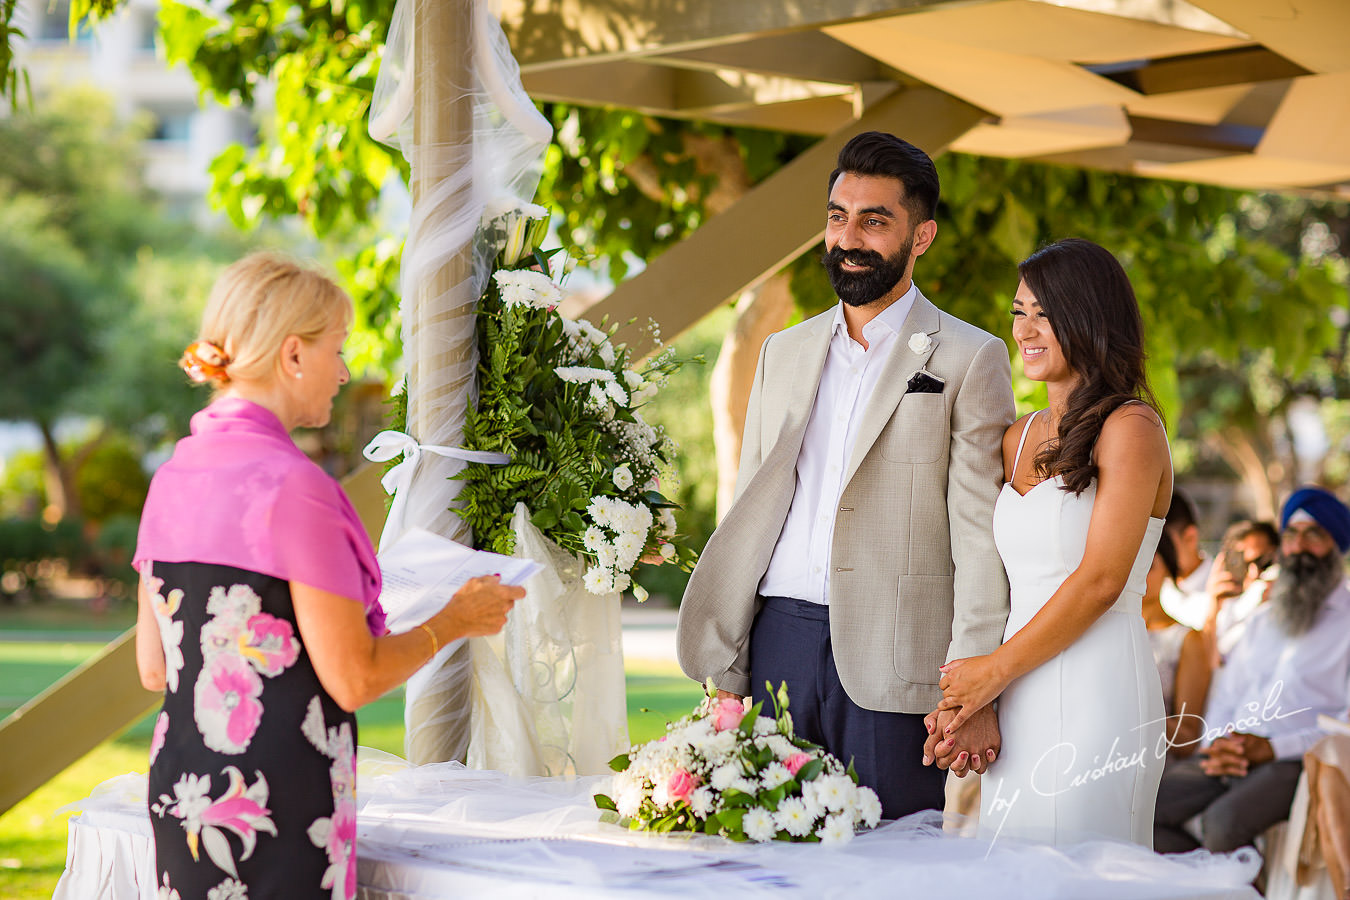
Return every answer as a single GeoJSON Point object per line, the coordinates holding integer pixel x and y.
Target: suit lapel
{"type": "Point", "coordinates": [895, 374]}
{"type": "Point", "coordinates": [803, 379]}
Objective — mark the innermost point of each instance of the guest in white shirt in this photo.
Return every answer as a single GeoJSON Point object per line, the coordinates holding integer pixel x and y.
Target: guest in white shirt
{"type": "Point", "coordinates": [1239, 580]}
{"type": "Point", "coordinates": [1186, 597]}
{"type": "Point", "coordinates": [1291, 664]}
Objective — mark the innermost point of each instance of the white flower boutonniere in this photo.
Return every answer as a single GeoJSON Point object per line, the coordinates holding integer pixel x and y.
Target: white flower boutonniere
{"type": "Point", "coordinates": [919, 342]}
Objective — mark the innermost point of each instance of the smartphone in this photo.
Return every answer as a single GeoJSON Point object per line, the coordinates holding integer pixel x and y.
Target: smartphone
{"type": "Point", "coordinates": [1236, 565]}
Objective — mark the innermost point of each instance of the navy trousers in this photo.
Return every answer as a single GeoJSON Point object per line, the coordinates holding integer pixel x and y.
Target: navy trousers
{"type": "Point", "coordinates": [790, 642]}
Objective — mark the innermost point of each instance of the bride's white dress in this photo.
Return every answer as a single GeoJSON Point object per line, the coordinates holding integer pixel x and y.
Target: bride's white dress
{"type": "Point", "coordinates": [1083, 745]}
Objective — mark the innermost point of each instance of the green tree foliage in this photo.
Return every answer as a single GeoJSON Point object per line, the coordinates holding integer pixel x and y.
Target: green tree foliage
{"type": "Point", "coordinates": [91, 318]}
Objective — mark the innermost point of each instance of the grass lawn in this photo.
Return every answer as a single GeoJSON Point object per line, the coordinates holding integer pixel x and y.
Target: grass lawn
{"type": "Point", "coordinates": [33, 834]}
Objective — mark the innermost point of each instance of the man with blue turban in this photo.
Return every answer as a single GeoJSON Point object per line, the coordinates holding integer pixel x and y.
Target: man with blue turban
{"type": "Point", "coordinates": [1291, 664]}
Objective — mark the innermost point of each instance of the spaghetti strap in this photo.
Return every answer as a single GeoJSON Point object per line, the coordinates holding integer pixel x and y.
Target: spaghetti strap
{"type": "Point", "coordinates": [1022, 442]}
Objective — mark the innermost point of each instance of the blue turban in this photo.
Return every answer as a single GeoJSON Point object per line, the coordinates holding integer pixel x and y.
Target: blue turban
{"type": "Point", "coordinates": [1323, 506]}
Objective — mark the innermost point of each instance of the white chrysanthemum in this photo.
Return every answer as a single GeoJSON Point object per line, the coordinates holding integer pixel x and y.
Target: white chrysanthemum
{"type": "Point", "coordinates": [724, 776]}
{"type": "Point", "coordinates": [701, 801]}
{"type": "Point", "coordinates": [781, 746]}
{"type": "Point", "coordinates": [597, 401]}
{"type": "Point", "coordinates": [623, 477]}
{"type": "Point", "coordinates": [629, 548]}
{"type": "Point", "coordinates": [869, 807]}
{"type": "Point", "coordinates": [632, 379]}
{"type": "Point", "coordinates": [764, 726]}
{"type": "Point", "coordinates": [582, 374]}
{"type": "Point", "coordinates": [616, 392]}
{"type": "Point", "coordinates": [835, 792]}
{"type": "Point", "coordinates": [606, 557]}
{"type": "Point", "coordinates": [746, 785]}
{"type": "Point", "coordinates": [793, 817]}
{"type": "Point", "coordinates": [660, 794]}
{"type": "Point", "coordinates": [622, 582]}
{"type": "Point", "coordinates": [593, 538]}
{"type": "Point", "coordinates": [836, 830]}
{"type": "Point", "coordinates": [606, 351]}
{"type": "Point", "coordinates": [598, 581]}
{"type": "Point", "coordinates": [667, 520]}
{"type": "Point", "coordinates": [526, 287]}
{"type": "Point", "coordinates": [759, 824]}
{"type": "Point", "coordinates": [774, 774]}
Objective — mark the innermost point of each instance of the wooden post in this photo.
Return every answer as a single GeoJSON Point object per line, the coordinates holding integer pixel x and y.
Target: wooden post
{"type": "Point", "coordinates": [442, 137]}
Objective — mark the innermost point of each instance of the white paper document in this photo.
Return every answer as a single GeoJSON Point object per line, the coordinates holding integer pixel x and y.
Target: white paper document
{"type": "Point", "coordinates": [422, 571]}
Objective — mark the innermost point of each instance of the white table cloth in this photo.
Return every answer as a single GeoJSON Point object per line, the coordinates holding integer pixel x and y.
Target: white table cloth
{"type": "Point", "coordinates": [446, 831]}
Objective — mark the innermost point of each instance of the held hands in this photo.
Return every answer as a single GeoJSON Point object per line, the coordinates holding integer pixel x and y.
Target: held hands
{"type": "Point", "coordinates": [480, 606]}
{"type": "Point", "coordinates": [971, 749]}
{"type": "Point", "coordinates": [1235, 754]}
{"type": "Point", "coordinates": [969, 685]}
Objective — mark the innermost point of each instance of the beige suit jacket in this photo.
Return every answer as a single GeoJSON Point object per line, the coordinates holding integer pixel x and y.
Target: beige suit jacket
{"type": "Point", "coordinates": [915, 578]}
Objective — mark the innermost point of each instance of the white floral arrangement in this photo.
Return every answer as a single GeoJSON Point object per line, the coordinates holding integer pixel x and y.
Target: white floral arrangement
{"type": "Point", "coordinates": [727, 770]}
{"type": "Point", "coordinates": [564, 401]}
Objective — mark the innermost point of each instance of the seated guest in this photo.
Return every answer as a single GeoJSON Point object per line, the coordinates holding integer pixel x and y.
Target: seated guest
{"type": "Point", "coordinates": [1291, 664]}
{"type": "Point", "coordinates": [1180, 653]}
{"type": "Point", "coordinates": [1239, 580]}
{"type": "Point", "coordinates": [1185, 598]}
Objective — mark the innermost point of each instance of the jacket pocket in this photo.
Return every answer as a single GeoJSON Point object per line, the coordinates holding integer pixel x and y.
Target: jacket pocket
{"type": "Point", "coordinates": [923, 626]}
{"type": "Point", "coordinates": [918, 432]}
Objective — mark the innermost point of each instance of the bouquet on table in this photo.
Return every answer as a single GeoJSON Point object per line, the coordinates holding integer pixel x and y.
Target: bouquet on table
{"type": "Point", "coordinates": [564, 402]}
{"type": "Point", "coordinates": [727, 770]}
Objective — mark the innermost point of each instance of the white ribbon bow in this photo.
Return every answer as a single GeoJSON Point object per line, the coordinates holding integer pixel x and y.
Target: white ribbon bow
{"type": "Point", "coordinates": [388, 444]}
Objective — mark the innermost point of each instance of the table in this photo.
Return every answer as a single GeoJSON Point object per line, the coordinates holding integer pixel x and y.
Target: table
{"type": "Point", "coordinates": [447, 831]}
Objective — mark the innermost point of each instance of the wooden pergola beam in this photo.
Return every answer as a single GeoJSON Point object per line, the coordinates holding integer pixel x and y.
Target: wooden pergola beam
{"type": "Point", "coordinates": [770, 226]}
{"type": "Point", "coordinates": [575, 32]}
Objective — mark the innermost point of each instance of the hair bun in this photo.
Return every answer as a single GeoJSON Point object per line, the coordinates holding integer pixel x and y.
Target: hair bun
{"type": "Point", "coordinates": [203, 361]}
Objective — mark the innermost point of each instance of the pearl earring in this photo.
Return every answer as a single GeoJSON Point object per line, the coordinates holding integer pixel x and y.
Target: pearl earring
{"type": "Point", "coordinates": [299, 375]}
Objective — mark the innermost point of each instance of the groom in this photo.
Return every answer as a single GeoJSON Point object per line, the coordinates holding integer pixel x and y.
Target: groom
{"type": "Point", "coordinates": [858, 557]}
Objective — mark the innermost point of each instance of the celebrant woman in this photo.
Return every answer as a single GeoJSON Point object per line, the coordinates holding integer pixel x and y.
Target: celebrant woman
{"type": "Point", "coordinates": [258, 610]}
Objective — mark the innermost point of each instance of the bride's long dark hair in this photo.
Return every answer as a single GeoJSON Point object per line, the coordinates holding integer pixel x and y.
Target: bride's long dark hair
{"type": "Point", "coordinates": [1087, 297]}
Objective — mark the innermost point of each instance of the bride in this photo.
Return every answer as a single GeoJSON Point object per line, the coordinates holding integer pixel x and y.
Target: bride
{"type": "Point", "coordinates": [1088, 482]}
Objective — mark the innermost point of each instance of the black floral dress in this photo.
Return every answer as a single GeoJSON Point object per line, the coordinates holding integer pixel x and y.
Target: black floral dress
{"type": "Point", "coordinates": [252, 765]}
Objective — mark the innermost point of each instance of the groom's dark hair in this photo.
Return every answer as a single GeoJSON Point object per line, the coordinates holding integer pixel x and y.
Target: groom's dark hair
{"type": "Point", "coordinates": [879, 153]}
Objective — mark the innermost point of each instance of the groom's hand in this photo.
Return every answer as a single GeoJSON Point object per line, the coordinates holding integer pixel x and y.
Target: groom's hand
{"type": "Point", "coordinates": [971, 748]}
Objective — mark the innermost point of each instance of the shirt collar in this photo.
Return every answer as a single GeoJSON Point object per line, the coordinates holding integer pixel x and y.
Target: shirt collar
{"type": "Point", "coordinates": [891, 319]}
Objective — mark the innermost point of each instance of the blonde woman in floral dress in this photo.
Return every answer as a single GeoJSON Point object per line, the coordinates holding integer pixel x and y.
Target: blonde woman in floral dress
{"type": "Point", "coordinates": [258, 610]}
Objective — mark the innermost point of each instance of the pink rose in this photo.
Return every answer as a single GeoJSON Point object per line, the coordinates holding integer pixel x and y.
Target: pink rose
{"type": "Point", "coordinates": [794, 762]}
{"type": "Point", "coordinates": [681, 785]}
{"type": "Point", "coordinates": [727, 714]}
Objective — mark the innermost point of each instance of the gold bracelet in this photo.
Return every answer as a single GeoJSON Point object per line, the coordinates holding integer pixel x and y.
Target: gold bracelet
{"type": "Point", "coordinates": [435, 644]}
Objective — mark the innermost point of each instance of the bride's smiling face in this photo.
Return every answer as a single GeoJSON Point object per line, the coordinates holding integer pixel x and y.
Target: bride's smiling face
{"type": "Point", "coordinates": [1042, 357]}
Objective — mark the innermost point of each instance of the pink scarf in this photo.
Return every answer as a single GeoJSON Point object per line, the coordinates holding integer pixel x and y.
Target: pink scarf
{"type": "Point", "coordinates": [238, 492]}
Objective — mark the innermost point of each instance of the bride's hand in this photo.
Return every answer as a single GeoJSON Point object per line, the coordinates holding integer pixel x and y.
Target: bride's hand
{"type": "Point", "coordinates": [968, 685]}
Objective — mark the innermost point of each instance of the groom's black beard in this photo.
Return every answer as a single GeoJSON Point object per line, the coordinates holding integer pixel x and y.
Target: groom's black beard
{"type": "Point", "coordinates": [1304, 583]}
{"type": "Point", "coordinates": [862, 288]}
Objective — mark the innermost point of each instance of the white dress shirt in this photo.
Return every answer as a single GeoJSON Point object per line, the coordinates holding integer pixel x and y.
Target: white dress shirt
{"type": "Point", "coordinates": [1187, 601]}
{"type": "Point", "coordinates": [1274, 685]}
{"type": "Point", "coordinates": [800, 566]}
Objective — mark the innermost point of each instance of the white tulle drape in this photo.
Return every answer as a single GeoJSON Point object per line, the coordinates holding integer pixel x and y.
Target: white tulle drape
{"type": "Point", "coordinates": [442, 276]}
{"type": "Point", "coordinates": [548, 692]}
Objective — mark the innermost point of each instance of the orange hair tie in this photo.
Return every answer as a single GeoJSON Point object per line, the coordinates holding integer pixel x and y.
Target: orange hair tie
{"type": "Point", "coordinates": [203, 361]}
